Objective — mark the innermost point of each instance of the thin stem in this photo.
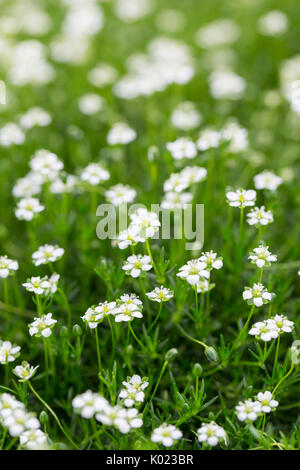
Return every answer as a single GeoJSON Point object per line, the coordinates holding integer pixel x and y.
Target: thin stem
{"type": "Point", "coordinates": [283, 378]}
{"type": "Point", "coordinates": [191, 338]}
{"type": "Point", "coordinates": [98, 351]}
{"type": "Point", "coordinates": [155, 388]}
{"type": "Point", "coordinates": [276, 356]}
{"type": "Point", "coordinates": [241, 222]}
{"type": "Point", "coordinates": [53, 414]}
{"type": "Point", "coordinates": [6, 301]}
{"type": "Point", "coordinates": [134, 335]}
{"type": "Point", "coordinates": [67, 306]}
{"type": "Point", "coordinates": [46, 366]}
{"type": "Point", "coordinates": [151, 257]}
{"type": "Point", "coordinates": [156, 318]}
{"type": "Point", "coordinates": [113, 339]}
{"type": "Point", "coordinates": [241, 333]}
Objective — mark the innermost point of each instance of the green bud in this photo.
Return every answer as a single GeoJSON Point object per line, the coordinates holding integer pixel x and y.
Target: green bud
{"type": "Point", "coordinates": [211, 354]}
{"type": "Point", "coordinates": [77, 330]}
{"type": "Point", "coordinates": [64, 332]}
{"type": "Point", "coordinates": [197, 370]}
{"type": "Point", "coordinates": [44, 418]}
{"type": "Point", "coordinates": [129, 349]}
{"type": "Point", "coordinates": [170, 354]}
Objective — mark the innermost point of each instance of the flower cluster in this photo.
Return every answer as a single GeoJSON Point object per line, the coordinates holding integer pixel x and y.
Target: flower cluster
{"type": "Point", "coordinates": [271, 328]}
{"type": "Point", "coordinates": [133, 392]}
{"type": "Point", "coordinates": [250, 410]}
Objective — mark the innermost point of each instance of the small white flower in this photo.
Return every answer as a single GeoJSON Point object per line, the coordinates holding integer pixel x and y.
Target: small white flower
{"type": "Point", "coordinates": [267, 180]}
{"type": "Point", "coordinates": [121, 133]}
{"type": "Point", "coordinates": [20, 421]}
{"type": "Point", "coordinates": [47, 254]}
{"type": "Point", "coordinates": [120, 194]}
{"type": "Point", "coordinates": [147, 222]}
{"type": "Point", "coordinates": [264, 330]}
{"type": "Point", "coordinates": [193, 271]}
{"type": "Point", "coordinates": [94, 174]}
{"type": "Point", "coordinates": [174, 200]}
{"type": "Point", "coordinates": [53, 281]}
{"type": "Point", "coordinates": [186, 116]}
{"type": "Point", "coordinates": [42, 326]}
{"type": "Point", "coordinates": [182, 148]}
{"type": "Point", "coordinates": [8, 352]}
{"type": "Point", "coordinates": [121, 418]}
{"type": "Point", "coordinates": [90, 103]}
{"type": "Point", "coordinates": [160, 294]}
{"type": "Point", "coordinates": [208, 138]}
{"type": "Point", "coordinates": [135, 265]}
{"type": "Point", "coordinates": [64, 184]}
{"type": "Point", "coordinates": [267, 401]}
{"type": "Point", "coordinates": [257, 295]}
{"type": "Point", "coordinates": [127, 312]}
{"type": "Point", "coordinates": [25, 371]}
{"type": "Point", "coordinates": [34, 439]}
{"type": "Point", "coordinates": [204, 285]}
{"type": "Point", "coordinates": [131, 299]}
{"type": "Point", "coordinates": [92, 318]}
{"type": "Point", "coordinates": [225, 84]}
{"type": "Point", "coordinates": [28, 186]}
{"type": "Point", "coordinates": [46, 164]}
{"type": "Point", "coordinates": [35, 117]}
{"type": "Point", "coordinates": [283, 324]}
{"type": "Point", "coordinates": [241, 198]}
{"type": "Point", "coordinates": [248, 411]}
{"type": "Point", "coordinates": [103, 74]}
{"type": "Point", "coordinates": [261, 256]}
{"type": "Point", "coordinates": [133, 393]}
{"type": "Point", "coordinates": [11, 134]}
{"type": "Point", "coordinates": [88, 404]}
{"type": "Point", "coordinates": [104, 309]}
{"type": "Point", "coordinates": [211, 433]}
{"type": "Point", "coordinates": [28, 208]}
{"type": "Point", "coordinates": [259, 216]}
{"type": "Point", "coordinates": [37, 285]}
{"type": "Point", "coordinates": [236, 136]}
{"type": "Point", "coordinates": [128, 237]}
{"type": "Point", "coordinates": [211, 259]}
{"type": "Point", "coordinates": [8, 266]}
{"type": "Point", "coordinates": [166, 434]}
{"type": "Point", "coordinates": [8, 405]}
{"type": "Point", "coordinates": [273, 23]}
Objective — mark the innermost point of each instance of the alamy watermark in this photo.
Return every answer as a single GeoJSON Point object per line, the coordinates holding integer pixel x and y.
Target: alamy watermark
{"type": "Point", "coordinates": [179, 224]}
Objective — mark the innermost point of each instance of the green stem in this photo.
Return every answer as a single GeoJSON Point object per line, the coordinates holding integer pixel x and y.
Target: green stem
{"type": "Point", "coordinates": [134, 335]}
{"type": "Point", "coordinates": [156, 318]}
{"type": "Point", "coordinates": [241, 333]}
{"type": "Point", "coordinates": [151, 257]}
{"type": "Point", "coordinates": [53, 414]}
{"type": "Point", "coordinates": [98, 351]}
{"type": "Point", "coordinates": [67, 306]}
{"type": "Point", "coordinates": [191, 338]}
{"type": "Point", "coordinates": [276, 356]}
{"type": "Point", "coordinates": [155, 388]}
{"type": "Point", "coordinates": [283, 378]}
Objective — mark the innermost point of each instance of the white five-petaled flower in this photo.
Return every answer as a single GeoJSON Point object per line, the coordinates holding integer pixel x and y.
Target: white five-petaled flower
{"type": "Point", "coordinates": [283, 324]}
{"type": "Point", "coordinates": [185, 116]}
{"type": "Point", "coordinates": [122, 418]}
{"type": "Point", "coordinates": [37, 285]}
{"type": "Point", "coordinates": [33, 439]}
{"type": "Point", "coordinates": [130, 236]}
{"type": "Point", "coordinates": [89, 403]}
{"type": "Point", "coordinates": [8, 352]}
{"type": "Point", "coordinates": [7, 266]}
{"type": "Point", "coordinates": [211, 434]}
{"type": "Point", "coordinates": [160, 294]}
{"type": "Point", "coordinates": [261, 256]}
{"type": "Point", "coordinates": [25, 371]}
{"type": "Point", "coordinates": [135, 265]}
{"type": "Point", "coordinates": [41, 326]}
{"type": "Point", "coordinates": [90, 103]}
{"type": "Point", "coordinates": [133, 391]}
{"type": "Point", "coordinates": [257, 295]}
{"type": "Point", "coordinates": [120, 194]}
{"type": "Point", "coordinates": [127, 312]}
{"type": "Point", "coordinates": [131, 299]}
{"type": "Point", "coordinates": [94, 174]}
{"type": "Point", "coordinates": [104, 309]}
{"type": "Point", "coordinates": [174, 200]}
{"type": "Point", "coordinates": [182, 148]}
{"type": "Point", "coordinates": [47, 254]}
{"type": "Point", "coordinates": [11, 134]}
{"type": "Point", "coordinates": [259, 216]}
{"type": "Point", "coordinates": [147, 222]}
{"type": "Point", "coordinates": [211, 259]}
{"type": "Point", "coordinates": [120, 133]}
{"type": "Point", "coordinates": [241, 198]}
{"type": "Point", "coordinates": [35, 117]}
{"type": "Point", "coordinates": [92, 318]}
{"type": "Point", "coordinates": [208, 138]}
{"type": "Point", "coordinates": [264, 330]}
{"type": "Point", "coordinates": [46, 164]}
{"type": "Point", "coordinates": [28, 208]}
{"type": "Point", "coordinates": [267, 180]}
{"type": "Point", "coordinates": [267, 401]}
{"type": "Point", "coordinates": [166, 434]}
{"type": "Point", "coordinates": [248, 410]}
{"type": "Point", "coordinates": [193, 271]}
{"type": "Point", "coordinates": [19, 421]}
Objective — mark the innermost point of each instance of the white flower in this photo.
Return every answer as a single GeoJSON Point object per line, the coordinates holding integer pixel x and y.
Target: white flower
{"type": "Point", "coordinates": [193, 174]}
{"type": "Point", "coordinates": [130, 420]}
{"type": "Point", "coordinates": [37, 285]}
{"type": "Point", "coordinates": [267, 401]}
{"type": "Point", "coordinates": [193, 271]}
{"type": "Point", "coordinates": [34, 439]}
{"type": "Point", "coordinates": [19, 421]}
{"type": "Point", "coordinates": [46, 164]}
{"type": "Point", "coordinates": [28, 186]}
{"type": "Point", "coordinates": [283, 324]}
{"type": "Point", "coordinates": [52, 281]}
{"type": "Point", "coordinates": [167, 434]}
{"type": "Point", "coordinates": [11, 134]}
{"type": "Point", "coordinates": [241, 198]}
{"type": "Point", "coordinates": [104, 309]}
{"type": "Point", "coordinates": [127, 312]}
{"type": "Point", "coordinates": [211, 433]}
{"type": "Point", "coordinates": [208, 138]}
{"type": "Point", "coordinates": [204, 285]}
{"type": "Point", "coordinates": [273, 23]}
{"type": "Point", "coordinates": [103, 74]}
{"type": "Point", "coordinates": [261, 256]}
{"type": "Point", "coordinates": [28, 208]}
{"type": "Point", "coordinates": [90, 103]}
{"type": "Point", "coordinates": [128, 237]}
{"type": "Point", "coordinates": [267, 180]}
{"type": "Point", "coordinates": [186, 116]}
{"type": "Point", "coordinates": [182, 148]}
{"type": "Point", "coordinates": [160, 294]}
{"type": "Point", "coordinates": [7, 266]}
{"type": "Point", "coordinates": [226, 85]}
{"type": "Point", "coordinates": [8, 352]}
{"type": "Point", "coordinates": [133, 393]}
{"type": "Point", "coordinates": [147, 222]}
{"type": "Point", "coordinates": [120, 194]}
{"type": "Point", "coordinates": [264, 330]}
{"type": "Point", "coordinates": [35, 117]}
{"type": "Point", "coordinates": [88, 404]}
{"type": "Point", "coordinates": [132, 10]}
{"type": "Point", "coordinates": [120, 133]}
{"type": "Point", "coordinates": [131, 299]}
{"type": "Point", "coordinates": [135, 265]}
{"type": "Point", "coordinates": [221, 32]}
{"type": "Point", "coordinates": [257, 295]}
{"type": "Point", "coordinates": [211, 259]}
{"type": "Point", "coordinates": [248, 411]}
{"type": "Point", "coordinates": [47, 254]}
{"type": "Point", "coordinates": [174, 200]}
{"type": "Point", "coordinates": [259, 216]}
{"type": "Point", "coordinates": [8, 404]}
{"type": "Point", "coordinates": [92, 318]}
{"type": "Point", "coordinates": [25, 371]}
{"type": "Point", "coordinates": [236, 136]}
{"type": "Point", "coordinates": [64, 184]}
{"type": "Point", "coordinates": [42, 326]}
{"type": "Point", "coordinates": [94, 174]}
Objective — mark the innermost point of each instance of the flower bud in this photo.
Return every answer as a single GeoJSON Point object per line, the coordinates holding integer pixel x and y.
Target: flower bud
{"type": "Point", "coordinates": [197, 370]}
{"type": "Point", "coordinates": [64, 333]}
{"type": "Point", "coordinates": [211, 354]}
{"type": "Point", "coordinates": [44, 418]}
{"type": "Point", "coordinates": [77, 330]}
{"type": "Point", "coordinates": [170, 354]}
